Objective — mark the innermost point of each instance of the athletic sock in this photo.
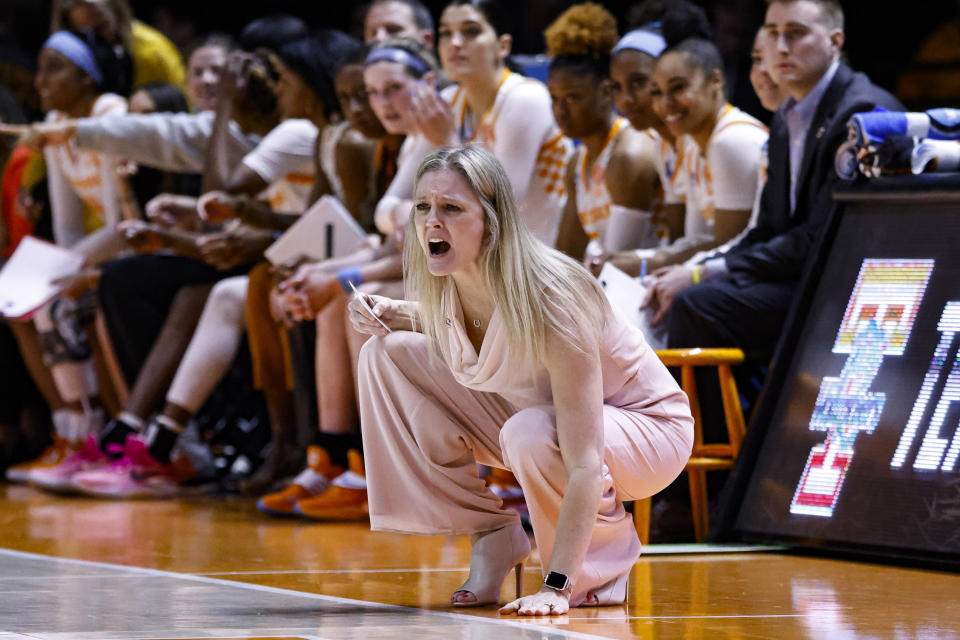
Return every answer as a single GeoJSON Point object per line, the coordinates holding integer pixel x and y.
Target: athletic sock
{"type": "Point", "coordinates": [65, 423]}
{"type": "Point", "coordinates": [337, 445]}
{"type": "Point", "coordinates": [161, 435]}
{"type": "Point", "coordinates": [117, 430]}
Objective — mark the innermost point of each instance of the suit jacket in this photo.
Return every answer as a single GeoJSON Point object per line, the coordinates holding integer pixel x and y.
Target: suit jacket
{"type": "Point", "coordinates": [777, 248]}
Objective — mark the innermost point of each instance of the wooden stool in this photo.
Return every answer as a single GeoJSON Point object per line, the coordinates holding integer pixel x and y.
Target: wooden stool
{"type": "Point", "coordinates": [113, 386]}
{"type": "Point", "coordinates": [705, 456]}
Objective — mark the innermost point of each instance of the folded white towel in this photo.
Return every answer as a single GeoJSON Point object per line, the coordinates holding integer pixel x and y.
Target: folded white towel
{"type": "Point", "coordinates": [935, 156]}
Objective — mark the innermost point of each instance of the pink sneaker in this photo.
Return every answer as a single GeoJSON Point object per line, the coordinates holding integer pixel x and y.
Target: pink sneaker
{"type": "Point", "coordinates": [60, 477]}
{"type": "Point", "coordinates": [136, 475]}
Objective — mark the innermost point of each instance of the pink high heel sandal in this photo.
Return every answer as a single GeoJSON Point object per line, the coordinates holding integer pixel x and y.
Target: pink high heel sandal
{"type": "Point", "coordinates": [487, 562]}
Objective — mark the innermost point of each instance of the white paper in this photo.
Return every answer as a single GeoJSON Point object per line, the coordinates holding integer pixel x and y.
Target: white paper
{"type": "Point", "coordinates": [629, 229]}
{"type": "Point", "coordinates": [25, 280]}
{"type": "Point", "coordinates": [308, 238]}
{"type": "Point", "coordinates": [626, 293]}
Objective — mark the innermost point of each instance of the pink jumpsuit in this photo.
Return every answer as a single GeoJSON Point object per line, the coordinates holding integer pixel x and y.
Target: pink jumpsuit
{"type": "Point", "coordinates": [426, 423]}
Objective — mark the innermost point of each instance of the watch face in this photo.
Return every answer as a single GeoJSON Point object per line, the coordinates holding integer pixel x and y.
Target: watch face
{"type": "Point", "coordinates": [556, 580]}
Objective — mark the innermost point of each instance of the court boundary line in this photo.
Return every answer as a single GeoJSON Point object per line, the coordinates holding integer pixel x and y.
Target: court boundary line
{"type": "Point", "coordinates": [527, 623]}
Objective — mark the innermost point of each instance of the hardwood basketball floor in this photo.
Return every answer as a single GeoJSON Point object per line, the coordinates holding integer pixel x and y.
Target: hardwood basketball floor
{"type": "Point", "coordinates": [73, 568]}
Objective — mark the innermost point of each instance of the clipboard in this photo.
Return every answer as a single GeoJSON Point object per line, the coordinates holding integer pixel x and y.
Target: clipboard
{"type": "Point", "coordinates": [326, 230]}
{"type": "Point", "coordinates": [625, 293]}
{"type": "Point", "coordinates": [26, 279]}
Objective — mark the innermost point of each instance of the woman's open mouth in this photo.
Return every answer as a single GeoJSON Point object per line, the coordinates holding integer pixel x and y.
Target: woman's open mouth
{"type": "Point", "coordinates": [438, 247]}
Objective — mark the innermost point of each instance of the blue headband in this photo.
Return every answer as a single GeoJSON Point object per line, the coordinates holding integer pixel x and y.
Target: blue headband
{"type": "Point", "coordinates": [76, 51]}
{"type": "Point", "coordinates": [643, 40]}
{"type": "Point", "coordinates": [401, 56]}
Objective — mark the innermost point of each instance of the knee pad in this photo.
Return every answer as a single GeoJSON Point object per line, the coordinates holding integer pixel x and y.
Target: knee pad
{"type": "Point", "coordinates": [61, 333]}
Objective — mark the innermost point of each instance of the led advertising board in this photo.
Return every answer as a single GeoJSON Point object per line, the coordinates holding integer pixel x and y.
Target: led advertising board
{"type": "Point", "coordinates": [858, 444]}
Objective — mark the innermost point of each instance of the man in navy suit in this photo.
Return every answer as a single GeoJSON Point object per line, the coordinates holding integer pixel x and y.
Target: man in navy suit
{"type": "Point", "coordinates": [741, 299]}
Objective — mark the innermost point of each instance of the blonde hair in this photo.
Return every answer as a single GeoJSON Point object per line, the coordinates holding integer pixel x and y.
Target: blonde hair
{"type": "Point", "coordinates": [538, 290]}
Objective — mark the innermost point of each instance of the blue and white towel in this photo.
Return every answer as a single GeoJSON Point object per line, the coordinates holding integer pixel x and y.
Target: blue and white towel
{"type": "Point", "coordinates": [873, 127]}
{"type": "Point", "coordinates": [846, 163]}
{"type": "Point", "coordinates": [935, 156]}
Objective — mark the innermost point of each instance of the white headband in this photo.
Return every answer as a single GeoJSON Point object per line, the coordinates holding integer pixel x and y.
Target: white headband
{"type": "Point", "coordinates": [643, 40]}
{"type": "Point", "coordinates": [76, 51]}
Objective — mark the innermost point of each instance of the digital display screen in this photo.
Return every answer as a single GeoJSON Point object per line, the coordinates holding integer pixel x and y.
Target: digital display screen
{"type": "Point", "coordinates": [864, 439]}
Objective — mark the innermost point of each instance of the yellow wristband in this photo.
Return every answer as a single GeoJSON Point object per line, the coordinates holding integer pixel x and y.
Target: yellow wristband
{"type": "Point", "coordinates": [695, 275]}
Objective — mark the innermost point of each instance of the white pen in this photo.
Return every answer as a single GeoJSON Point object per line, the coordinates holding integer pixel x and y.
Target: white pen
{"type": "Point", "coordinates": [366, 306]}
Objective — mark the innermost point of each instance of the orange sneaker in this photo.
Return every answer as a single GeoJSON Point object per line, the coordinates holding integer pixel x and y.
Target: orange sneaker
{"type": "Point", "coordinates": [346, 499]}
{"type": "Point", "coordinates": [312, 481]}
{"type": "Point", "coordinates": [60, 450]}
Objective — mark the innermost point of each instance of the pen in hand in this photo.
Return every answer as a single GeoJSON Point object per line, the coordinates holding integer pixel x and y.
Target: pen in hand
{"type": "Point", "coordinates": [367, 306]}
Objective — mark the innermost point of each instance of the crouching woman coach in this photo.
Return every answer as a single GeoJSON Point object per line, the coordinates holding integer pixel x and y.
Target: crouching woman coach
{"type": "Point", "coordinates": [510, 357]}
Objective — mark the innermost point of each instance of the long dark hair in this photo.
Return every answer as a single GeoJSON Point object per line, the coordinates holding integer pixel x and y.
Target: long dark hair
{"type": "Point", "coordinates": [675, 20]}
{"type": "Point", "coordinates": [700, 53]}
{"type": "Point", "coordinates": [272, 32]}
{"type": "Point", "coordinates": [116, 65]}
{"type": "Point", "coordinates": [316, 59]}
{"type": "Point", "coordinates": [501, 17]}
